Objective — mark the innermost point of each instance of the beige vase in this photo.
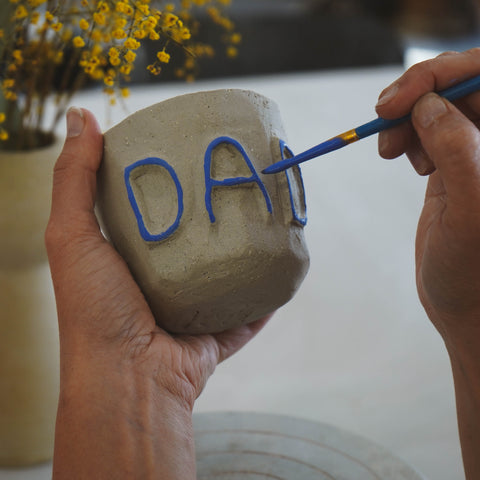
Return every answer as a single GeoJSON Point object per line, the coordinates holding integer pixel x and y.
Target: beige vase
{"type": "Point", "coordinates": [29, 369]}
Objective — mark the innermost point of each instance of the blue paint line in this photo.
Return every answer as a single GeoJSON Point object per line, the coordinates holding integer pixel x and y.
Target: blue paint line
{"type": "Point", "coordinates": [301, 220]}
{"type": "Point", "coordinates": [146, 235]}
{"type": "Point", "coordinates": [229, 182]}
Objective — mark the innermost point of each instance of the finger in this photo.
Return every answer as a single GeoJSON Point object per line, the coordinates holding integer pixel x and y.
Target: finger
{"type": "Point", "coordinates": [419, 159]}
{"type": "Point", "coordinates": [394, 142]}
{"type": "Point", "coordinates": [452, 142]}
{"type": "Point", "coordinates": [432, 75]}
{"type": "Point", "coordinates": [74, 178]}
{"type": "Point", "coordinates": [231, 341]}
{"type": "Point", "coordinates": [403, 139]}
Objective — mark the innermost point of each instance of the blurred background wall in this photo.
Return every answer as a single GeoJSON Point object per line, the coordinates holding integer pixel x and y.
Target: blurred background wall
{"type": "Point", "coordinates": [302, 35]}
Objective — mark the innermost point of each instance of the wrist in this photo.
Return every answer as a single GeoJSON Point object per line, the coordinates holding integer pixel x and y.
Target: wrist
{"type": "Point", "coordinates": [114, 423]}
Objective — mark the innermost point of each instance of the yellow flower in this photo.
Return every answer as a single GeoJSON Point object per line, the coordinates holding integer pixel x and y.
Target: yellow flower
{"type": "Point", "coordinates": [236, 38]}
{"type": "Point", "coordinates": [113, 52]}
{"type": "Point", "coordinates": [58, 57]}
{"type": "Point", "coordinates": [2, 117]}
{"type": "Point", "coordinates": [143, 8]}
{"type": "Point", "coordinates": [121, 7]}
{"type": "Point", "coordinates": [150, 22]}
{"type": "Point", "coordinates": [140, 34]}
{"type": "Point", "coordinates": [124, 92]}
{"type": "Point", "coordinates": [108, 80]}
{"type": "Point", "coordinates": [96, 50]}
{"type": "Point", "coordinates": [21, 12]}
{"type": "Point", "coordinates": [128, 10]}
{"type": "Point", "coordinates": [99, 18]}
{"type": "Point", "coordinates": [78, 42]}
{"type": "Point", "coordinates": [154, 70]}
{"type": "Point", "coordinates": [119, 33]}
{"type": "Point", "coordinates": [189, 63]}
{"type": "Point", "coordinates": [125, 69]}
{"type": "Point", "coordinates": [17, 55]}
{"type": "Point", "coordinates": [170, 20]}
{"type": "Point", "coordinates": [103, 7]}
{"type": "Point", "coordinates": [232, 52]}
{"type": "Point", "coordinates": [131, 43]}
{"type": "Point", "coordinates": [66, 35]}
{"type": "Point", "coordinates": [56, 27]}
{"type": "Point", "coordinates": [9, 95]}
{"type": "Point", "coordinates": [83, 24]}
{"type": "Point", "coordinates": [48, 16]}
{"type": "Point", "coordinates": [96, 35]}
{"type": "Point", "coordinates": [120, 22]}
{"type": "Point", "coordinates": [8, 83]}
{"type": "Point", "coordinates": [3, 135]}
{"type": "Point", "coordinates": [185, 33]}
{"type": "Point", "coordinates": [130, 56]}
{"type": "Point", "coordinates": [1, 33]}
{"type": "Point", "coordinates": [163, 56]}
{"type": "Point", "coordinates": [34, 18]}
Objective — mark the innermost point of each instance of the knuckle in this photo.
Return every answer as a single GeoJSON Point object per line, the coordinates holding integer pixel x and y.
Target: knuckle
{"type": "Point", "coordinates": [475, 52]}
{"type": "Point", "coordinates": [448, 53]}
{"type": "Point", "coordinates": [55, 236]}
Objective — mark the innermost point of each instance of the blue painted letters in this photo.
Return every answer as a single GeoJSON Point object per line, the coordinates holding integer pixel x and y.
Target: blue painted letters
{"type": "Point", "coordinates": [294, 180]}
{"type": "Point", "coordinates": [295, 187]}
{"type": "Point", "coordinates": [146, 235]}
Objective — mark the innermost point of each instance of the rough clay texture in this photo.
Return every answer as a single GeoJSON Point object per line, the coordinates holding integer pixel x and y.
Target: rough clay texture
{"type": "Point", "coordinates": [205, 277]}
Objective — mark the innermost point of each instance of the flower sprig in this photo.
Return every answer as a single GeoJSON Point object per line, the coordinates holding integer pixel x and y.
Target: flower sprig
{"type": "Point", "coordinates": [51, 48]}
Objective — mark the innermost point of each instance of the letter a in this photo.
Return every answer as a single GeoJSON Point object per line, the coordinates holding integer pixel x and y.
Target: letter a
{"type": "Point", "coordinates": [229, 182]}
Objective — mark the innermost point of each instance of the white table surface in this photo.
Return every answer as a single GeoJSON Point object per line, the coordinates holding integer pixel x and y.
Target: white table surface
{"type": "Point", "coordinates": [354, 348]}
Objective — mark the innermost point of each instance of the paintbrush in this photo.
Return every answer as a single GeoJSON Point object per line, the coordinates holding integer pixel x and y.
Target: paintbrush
{"type": "Point", "coordinates": [453, 93]}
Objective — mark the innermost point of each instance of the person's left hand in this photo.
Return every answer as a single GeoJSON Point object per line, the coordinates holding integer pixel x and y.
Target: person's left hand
{"type": "Point", "coordinates": [111, 348]}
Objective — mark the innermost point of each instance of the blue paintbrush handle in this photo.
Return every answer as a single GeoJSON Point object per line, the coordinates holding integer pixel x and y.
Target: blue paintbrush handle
{"type": "Point", "coordinates": [453, 93]}
{"type": "Point", "coordinates": [375, 126]}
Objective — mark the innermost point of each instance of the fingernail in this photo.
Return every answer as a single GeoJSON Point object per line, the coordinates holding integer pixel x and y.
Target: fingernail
{"type": "Point", "coordinates": [383, 143]}
{"type": "Point", "coordinates": [388, 94]}
{"type": "Point", "coordinates": [421, 163]}
{"type": "Point", "coordinates": [75, 122]}
{"type": "Point", "coordinates": [430, 107]}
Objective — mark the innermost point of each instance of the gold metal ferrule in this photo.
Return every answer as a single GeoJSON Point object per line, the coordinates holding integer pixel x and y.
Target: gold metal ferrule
{"type": "Point", "coordinates": [350, 136]}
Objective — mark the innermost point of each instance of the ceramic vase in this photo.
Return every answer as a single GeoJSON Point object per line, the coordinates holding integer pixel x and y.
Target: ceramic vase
{"type": "Point", "coordinates": [212, 242]}
{"type": "Point", "coordinates": [29, 352]}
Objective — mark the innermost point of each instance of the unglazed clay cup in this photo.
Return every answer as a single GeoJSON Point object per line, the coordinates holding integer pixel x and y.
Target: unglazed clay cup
{"type": "Point", "coordinates": [211, 241]}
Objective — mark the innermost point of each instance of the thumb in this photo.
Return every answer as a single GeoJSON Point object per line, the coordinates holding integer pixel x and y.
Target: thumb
{"type": "Point", "coordinates": [452, 142]}
{"type": "Point", "coordinates": [74, 177]}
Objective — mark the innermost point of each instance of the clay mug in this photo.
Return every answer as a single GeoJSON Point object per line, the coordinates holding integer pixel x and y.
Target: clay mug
{"type": "Point", "coordinates": [211, 241]}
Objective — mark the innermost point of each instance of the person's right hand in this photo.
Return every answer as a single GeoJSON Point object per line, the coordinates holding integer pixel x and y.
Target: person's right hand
{"type": "Point", "coordinates": [443, 139]}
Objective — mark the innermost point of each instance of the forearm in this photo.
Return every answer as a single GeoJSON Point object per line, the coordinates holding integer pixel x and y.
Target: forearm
{"type": "Point", "coordinates": [114, 427]}
{"type": "Point", "coordinates": [465, 360]}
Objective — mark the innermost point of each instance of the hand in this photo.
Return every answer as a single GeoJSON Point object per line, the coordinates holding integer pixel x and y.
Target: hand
{"type": "Point", "coordinates": [127, 386]}
{"type": "Point", "coordinates": [443, 141]}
